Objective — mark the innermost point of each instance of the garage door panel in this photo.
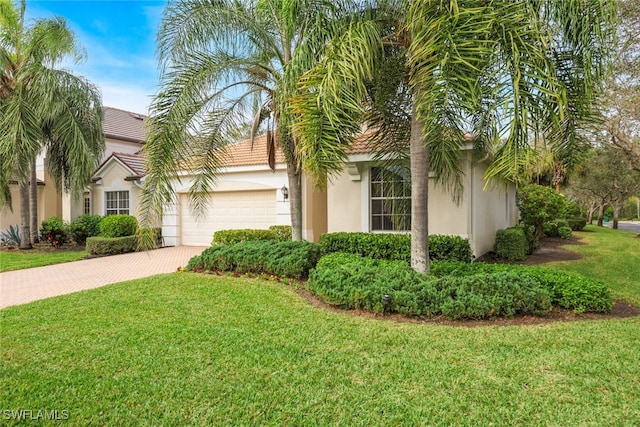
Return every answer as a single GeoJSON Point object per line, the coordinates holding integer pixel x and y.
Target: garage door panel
{"type": "Point", "coordinates": [233, 210]}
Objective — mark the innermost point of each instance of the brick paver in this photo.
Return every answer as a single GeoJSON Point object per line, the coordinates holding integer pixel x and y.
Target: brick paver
{"type": "Point", "coordinates": [23, 286]}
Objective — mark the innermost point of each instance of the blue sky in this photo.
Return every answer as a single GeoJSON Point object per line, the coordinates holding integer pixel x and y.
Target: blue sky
{"type": "Point", "coordinates": [119, 39]}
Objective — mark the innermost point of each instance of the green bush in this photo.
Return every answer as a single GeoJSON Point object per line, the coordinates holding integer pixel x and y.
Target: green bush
{"type": "Point", "coordinates": [557, 228]}
{"type": "Point", "coordinates": [290, 259]}
{"type": "Point", "coordinates": [485, 295]}
{"type": "Point", "coordinates": [567, 290]}
{"type": "Point", "coordinates": [395, 246]}
{"type": "Point", "coordinates": [351, 281]}
{"type": "Point", "coordinates": [111, 245]}
{"type": "Point", "coordinates": [576, 223]}
{"type": "Point", "coordinates": [231, 237]}
{"type": "Point", "coordinates": [83, 227]}
{"type": "Point", "coordinates": [511, 244]}
{"type": "Point", "coordinates": [118, 226]}
{"type": "Point", "coordinates": [282, 232]}
{"type": "Point", "coordinates": [532, 238]}
{"type": "Point", "coordinates": [54, 231]}
{"type": "Point", "coordinates": [538, 205]}
{"type": "Point", "coordinates": [356, 282]}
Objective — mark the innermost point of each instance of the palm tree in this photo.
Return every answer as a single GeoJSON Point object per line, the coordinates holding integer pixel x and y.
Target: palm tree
{"type": "Point", "coordinates": [44, 109]}
{"type": "Point", "coordinates": [498, 70]}
{"type": "Point", "coordinates": [226, 63]}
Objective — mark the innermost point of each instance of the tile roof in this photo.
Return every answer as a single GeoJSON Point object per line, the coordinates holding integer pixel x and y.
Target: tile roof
{"type": "Point", "coordinates": [124, 125]}
{"type": "Point", "coordinates": [135, 162]}
{"type": "Point", "coordinates": [242, 154]}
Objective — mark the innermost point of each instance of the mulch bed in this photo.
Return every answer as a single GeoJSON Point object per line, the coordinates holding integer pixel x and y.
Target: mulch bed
{"type": "Point", "coordinates": [550, 250]}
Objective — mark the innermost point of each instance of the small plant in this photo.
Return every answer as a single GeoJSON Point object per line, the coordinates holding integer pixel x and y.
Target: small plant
{"type": "Point", "coordinates": [118, 226]}
{"type": "Point", "coordinates": [11, 236]}
{"type": "Point", "coordinates": [54, 231]}
{"type": "Point", "coordinates": [557, 228]}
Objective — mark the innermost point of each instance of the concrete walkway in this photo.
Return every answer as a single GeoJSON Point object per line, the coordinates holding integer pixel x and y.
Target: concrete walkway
{"type": "Point", "coordinates": [23, 286]}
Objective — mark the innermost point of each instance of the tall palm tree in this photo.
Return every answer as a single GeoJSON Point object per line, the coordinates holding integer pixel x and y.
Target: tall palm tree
{"type": "Point", "coordinates": [226, 63]}
{"type": "Point", "coordinates": [44, 108]}
{"type": "Point", "coordinates": [498, 70]}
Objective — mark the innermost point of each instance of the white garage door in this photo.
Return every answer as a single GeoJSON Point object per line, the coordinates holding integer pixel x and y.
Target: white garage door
{"type": "Point", "coordinates": [233, 210]}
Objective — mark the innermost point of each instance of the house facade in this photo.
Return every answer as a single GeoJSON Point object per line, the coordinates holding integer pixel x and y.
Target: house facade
{"type": "Point", "coordinates": [366, 197]}
{"type": "Point", "coordinates": [124, 134]}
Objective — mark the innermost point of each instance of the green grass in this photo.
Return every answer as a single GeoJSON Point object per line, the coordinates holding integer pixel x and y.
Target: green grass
{"type": "Point", "coordinates": [17, 260]}
{"type": "Point", "coordinates": [188, 349]}
{"type": "Point", "coordinates": [612, 256]}
{"type": "Point", "coordinates": [204, 350]}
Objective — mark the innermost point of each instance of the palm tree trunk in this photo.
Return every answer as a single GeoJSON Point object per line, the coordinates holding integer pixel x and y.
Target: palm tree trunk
{"type": "Point", "coordinates": [25, 231]}
{"type": "Point", "coordinates": [34, 202]}
{"type": "Point", "coordinates": [419, 197]}
{"type": "Point", "coordinates": [295, 201]}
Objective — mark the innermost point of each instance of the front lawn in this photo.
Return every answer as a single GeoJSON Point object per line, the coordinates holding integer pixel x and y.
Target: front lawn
{"type": "Point", "coordinates": [198, 349]}
{"type": "Point", "coordinates": [612, 256]}
{"type": "Point", "coordinates": [17, 260]}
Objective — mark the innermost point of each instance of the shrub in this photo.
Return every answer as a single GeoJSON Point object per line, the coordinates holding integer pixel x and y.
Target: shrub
{"type": "Point", "coordinates": [282, 232]}
{"type": "Point", "coordinates": [231, 237]}
{"type": "Point", "coordinates": [557, 228]}
{"type": "Point", "coordinates": [395, 246]}
{"type": "Point", "coordinates": [84, 226]}
{"type": "Point", "coordinates": [358, 282]}
{"type": "Point", "coordinates": [567, 290]}
{"type": "Point", "coordinates": [290, 259]}
{"type": "Point", "coordinates": [539, 205]}
{"type": "Point", "coordinates": [355, 282]}
{"type": "Point", "coordinates": [511, 244]}
{"type": "Point", "coordinates": [485, 295]}
{"type": "Point", "coordinates": [576, 223]}
{"type": "Point", "coordinates": [54, 231]}
{"type": "Point", "coordinates": [111, 245]}
{"type": "Point", "coordinates": [118, 226]}
{"type": "Point", "coordinates": [532, 239]}
{"type": "Point", "coordinates": [11, 236]}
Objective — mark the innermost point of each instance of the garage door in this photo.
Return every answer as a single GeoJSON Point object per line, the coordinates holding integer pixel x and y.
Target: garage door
{"type": "Point", "coordinates": [242, 209]}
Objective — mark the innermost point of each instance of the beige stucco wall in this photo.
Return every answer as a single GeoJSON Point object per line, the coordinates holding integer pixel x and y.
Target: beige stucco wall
{"type": "Point", "coordinates": [478, 215]}
{"type": "Point", "coordinates": [113, 179]}
{"type": "Point", "coordinates": [48, 205]}
{"type": "Point", "coordinates": [344, 203]}
{"type": "Point", "coordinates": [314, 211]}
{"type": "Point", "coordinates": [118, 146]}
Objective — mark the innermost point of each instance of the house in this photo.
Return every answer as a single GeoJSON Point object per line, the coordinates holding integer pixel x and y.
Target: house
{"type": "Point", "coordinates": [124, 135]}
{"type": "Point", "coordinates": [249, 194]}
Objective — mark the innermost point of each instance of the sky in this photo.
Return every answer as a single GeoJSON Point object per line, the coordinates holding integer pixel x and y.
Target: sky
{"type": "Point", "coordinates": [118, 37]}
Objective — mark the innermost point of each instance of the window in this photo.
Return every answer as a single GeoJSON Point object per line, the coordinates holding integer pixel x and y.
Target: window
{"type": "Point", "coordinates": [390, 198]}
{"type": "Point", "coordinates": [117, 202]}
{"type": "Point", "coordinates": [87, 204]}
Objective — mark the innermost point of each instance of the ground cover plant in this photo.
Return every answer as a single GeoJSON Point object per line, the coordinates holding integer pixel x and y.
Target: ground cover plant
{"type": "Point", "coordinates": [17, 260]}
{"type": "Point", "coordinates": [193, 349]}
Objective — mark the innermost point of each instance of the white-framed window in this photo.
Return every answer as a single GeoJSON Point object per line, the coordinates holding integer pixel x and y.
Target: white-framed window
{"type": "Point", "coordinates": [87, 204]}
{"type": "Point", "coordinates": [116, 202]}
{"type": "Point", "coordinates": [390, 198]}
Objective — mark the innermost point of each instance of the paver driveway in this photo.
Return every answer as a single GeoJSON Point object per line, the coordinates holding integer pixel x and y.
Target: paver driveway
{"type": "Point", "coordinates": [23, 286]}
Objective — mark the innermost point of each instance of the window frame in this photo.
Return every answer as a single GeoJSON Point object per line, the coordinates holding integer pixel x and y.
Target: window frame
{"type": "Point", "coordinates": [122, 204]}
{"type": "Point", "coordinates": [383, 207]}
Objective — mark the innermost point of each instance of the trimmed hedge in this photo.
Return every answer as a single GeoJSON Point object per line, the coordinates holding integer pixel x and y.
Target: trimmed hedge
{"type": "Point", "coordinates": [83, 227]}
{"type": "Point", "coordinates": [567, 290]}
{"type": "Point", "coordinates": [290, 259]}
{"type": "Point", "coordinates": [118, 225]}
{"type": "Point", "coordinates": [280, 233]}
{"type": "Point", "coordinates": [395, 246]}
{"type": "Point", "coordinates": [111, 245]}
{"type": "Point", "coordinates": [576, 223]}
{"type": "Point", "coordinates": [511, 244]}
{"type": "Point", "coordinates": [357, 282]}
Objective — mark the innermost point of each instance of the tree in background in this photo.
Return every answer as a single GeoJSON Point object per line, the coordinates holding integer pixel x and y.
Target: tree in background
{"type": "Point", "coordinates": [43, 108]}
{"type": "Point", "coordinates": [605, 179]}
{"type": "Point", "coordinates": [224, 63]}
{"type": "Point", "coordinates": [502, 71]}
